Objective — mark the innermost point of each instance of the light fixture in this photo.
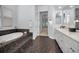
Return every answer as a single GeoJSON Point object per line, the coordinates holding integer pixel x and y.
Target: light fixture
{"type": "Point", "coordinates": [59, 7]}
{"type": "Point", "coordinates": [71, 6]}
{"type": "Point", "coordinates": [64, 11]}
{"type": "Point", "coordinates": [68, 15]}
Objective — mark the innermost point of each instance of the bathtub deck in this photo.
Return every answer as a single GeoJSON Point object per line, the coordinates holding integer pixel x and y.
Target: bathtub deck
{"type": "Point", "coordinates": [18, 44]}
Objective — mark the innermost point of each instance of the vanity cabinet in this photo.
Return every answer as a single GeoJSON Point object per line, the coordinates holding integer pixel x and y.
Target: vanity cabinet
{"type": "Point", "coordinates": [66, 43]}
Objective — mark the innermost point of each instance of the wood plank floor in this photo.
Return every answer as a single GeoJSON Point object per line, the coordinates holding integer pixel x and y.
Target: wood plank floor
{"type": "Point", "coordinates": [43, 44]}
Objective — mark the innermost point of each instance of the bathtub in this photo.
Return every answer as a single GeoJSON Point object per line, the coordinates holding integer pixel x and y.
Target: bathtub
{"type": "Point", "coordinates": [5, 39]}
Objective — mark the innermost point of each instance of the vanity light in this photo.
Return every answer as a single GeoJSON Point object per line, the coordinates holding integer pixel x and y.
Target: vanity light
{"type": "Point", "coordinates": [77, 20]}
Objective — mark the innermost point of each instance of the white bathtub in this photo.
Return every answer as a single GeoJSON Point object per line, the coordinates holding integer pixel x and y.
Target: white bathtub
{"type": "Point", "coordinates": [10, 37]}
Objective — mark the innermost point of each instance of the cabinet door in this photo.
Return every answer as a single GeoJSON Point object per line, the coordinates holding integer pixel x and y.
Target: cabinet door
{"type": "Point", "coordinates": [72, 45]}
{"type": "Point", "coordinates": [60, 40]}
{"type": "Point", "coordinates": [69, 44]}
{"type": "Point", "coordinates": [63, 43]}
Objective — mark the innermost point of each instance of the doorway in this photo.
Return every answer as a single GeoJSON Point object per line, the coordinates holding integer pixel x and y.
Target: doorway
{"type": "Point", "coordinates": [44, 23]}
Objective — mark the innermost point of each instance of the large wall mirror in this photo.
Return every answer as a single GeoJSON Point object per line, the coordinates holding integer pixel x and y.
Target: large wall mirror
{"type": "Point", "coordinates": [77, 18]}
{"type": "Point", "coordinates": [77, 13]}
{"type": "Point", "coordinates": [60, 18]}
{"type": "Point", "coordinates": [0, 16]}
{"type": "Point", "coordinates": [65, 18]}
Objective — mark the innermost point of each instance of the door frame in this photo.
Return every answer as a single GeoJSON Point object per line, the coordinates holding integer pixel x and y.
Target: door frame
{"type": "Point", "coordinates": [40, 27]}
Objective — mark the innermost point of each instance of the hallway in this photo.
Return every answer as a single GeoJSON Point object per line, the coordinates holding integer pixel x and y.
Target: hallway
{"type": "Point", "coordinates": [44, 32]}
{"type": "Point", "coordinates": [43, 44]}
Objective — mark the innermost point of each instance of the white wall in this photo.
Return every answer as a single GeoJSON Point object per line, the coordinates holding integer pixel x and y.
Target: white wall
{"type": "Point", "coordinates": [36, 23]}
{"type": "Point", "coordinates": [26, 15]}
{"type": "Point", "coordinates": [51, 25]}
{"type": "Point", "coordinates": [26, 18]}
{"type": "Point", "coordinates": [43, 8]}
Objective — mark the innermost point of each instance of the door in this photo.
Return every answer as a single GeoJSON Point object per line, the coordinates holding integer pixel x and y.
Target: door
{"type": "Point", "coordinates": [44, 22]}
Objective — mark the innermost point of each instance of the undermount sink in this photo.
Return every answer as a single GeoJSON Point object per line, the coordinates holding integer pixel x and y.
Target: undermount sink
{"type": "Point", "coordinates": [72, 29]}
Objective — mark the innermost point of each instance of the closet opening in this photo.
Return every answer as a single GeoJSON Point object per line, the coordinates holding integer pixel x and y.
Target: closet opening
{"type": "Point", "coordinates": [44, 23]}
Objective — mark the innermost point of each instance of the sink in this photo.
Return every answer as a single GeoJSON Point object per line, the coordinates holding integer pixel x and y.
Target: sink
{"type": "Point", "coordinates": [72, 29]}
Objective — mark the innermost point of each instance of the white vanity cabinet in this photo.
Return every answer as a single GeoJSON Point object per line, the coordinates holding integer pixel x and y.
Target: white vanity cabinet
{"type": "Point", "coordinates": [66, 43]}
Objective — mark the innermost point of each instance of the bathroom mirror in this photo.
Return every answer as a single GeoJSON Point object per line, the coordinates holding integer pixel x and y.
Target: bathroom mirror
{"type": "Point", "coordinates": [77, 13]}
{"type": "Point", "coordinates": [77, 18]}
{"type": "Point", "coordinates": [58, 18]}
{"type": "Point", "coordinates": [0, 16]}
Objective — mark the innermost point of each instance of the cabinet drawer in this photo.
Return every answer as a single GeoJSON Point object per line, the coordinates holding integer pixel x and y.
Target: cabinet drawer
{"type": "Point", "coordinates": [73, 46]}
{"type": "Point", "coordinates": [70, 44]}
{"type": "Point", "coordinates": [67, 44]}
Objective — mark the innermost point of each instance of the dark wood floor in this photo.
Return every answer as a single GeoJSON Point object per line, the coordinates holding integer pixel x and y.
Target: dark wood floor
{"type": "Point", "coordinates": [43, 44]}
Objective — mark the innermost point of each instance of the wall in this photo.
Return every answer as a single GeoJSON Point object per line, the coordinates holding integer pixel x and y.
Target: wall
{"type": "Point", "coordinates": [51, 20]}
{"type": "Point", "coordinates": [26, 18]}
{"type": "Point", "coordinates": [43, 8]}
{"type": "Point", "coordinates": [26, 15]}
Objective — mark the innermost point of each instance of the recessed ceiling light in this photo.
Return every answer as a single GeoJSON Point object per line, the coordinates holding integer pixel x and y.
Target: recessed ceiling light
{"type": "Point", "coordinates": [71, 6]}
{"type": "Point", "coordinates": [59, 7]}
{"type": "Point", "coordinates": [64, 11]}
{"type": "Point", "coordinates": [68, 15]}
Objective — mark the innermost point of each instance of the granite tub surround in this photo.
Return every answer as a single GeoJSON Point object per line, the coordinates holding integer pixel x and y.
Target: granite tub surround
{"type": "Point", "coordinates": [68, 41]}
{"type": "Point", "coordinates": [5, 39]}
{"type": "Point", "coordinates": [22, 30]}
{"type": "Point", "coordinates": [14, 40]}
{"type": "Point", "coordinates": [16, 44]}
{"type": "Point", "coordinates": [8, 31]}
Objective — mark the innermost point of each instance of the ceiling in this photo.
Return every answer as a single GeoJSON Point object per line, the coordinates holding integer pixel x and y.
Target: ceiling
{"type": "Point", "coordinates": [64, 7]}
{"type": "Point", "coordinates": [61, 7]}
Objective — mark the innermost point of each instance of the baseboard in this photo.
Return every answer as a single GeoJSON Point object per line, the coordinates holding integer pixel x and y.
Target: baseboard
{"type": "Point", "coordinates": [51, 37]}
